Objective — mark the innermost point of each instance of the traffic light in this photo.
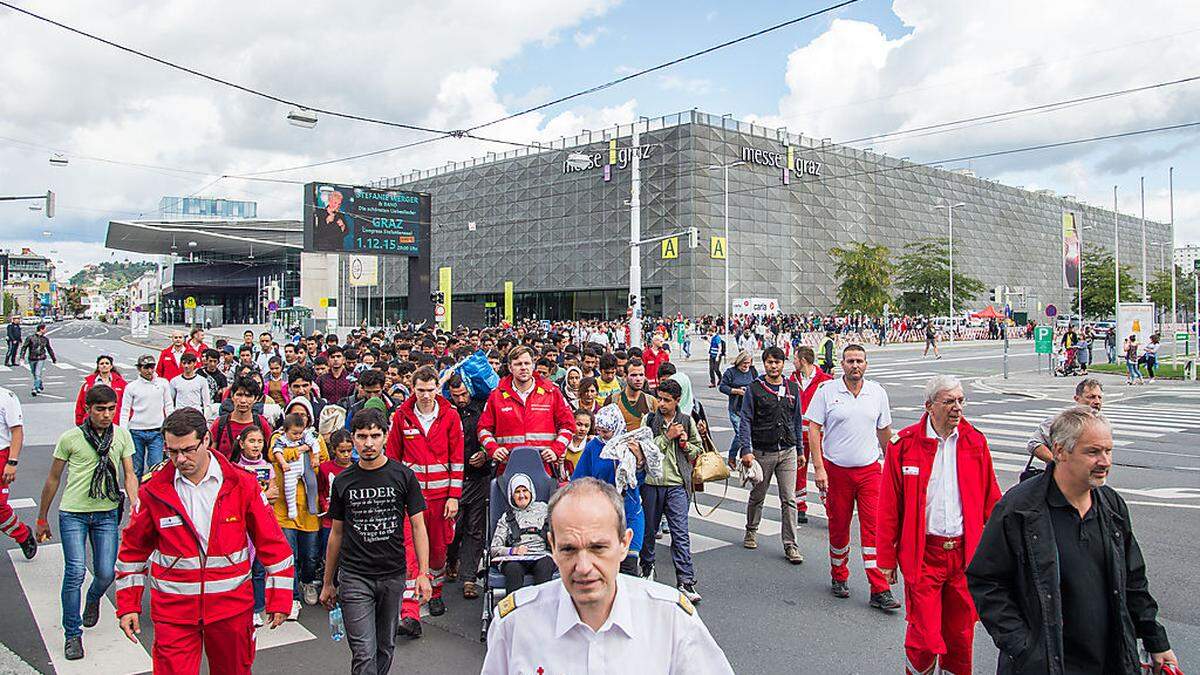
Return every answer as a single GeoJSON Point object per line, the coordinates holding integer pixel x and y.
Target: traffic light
{"type": "Point", "coordinates": [633, 299]}
{"type": "Point", "coordinates": [997, 295]}
{"type": "Point", "coordinates": [49, 203]}
{"type": "Point", "coordinates": [693, 237]}
{"type": "Point", "coordinates": [437, 297]}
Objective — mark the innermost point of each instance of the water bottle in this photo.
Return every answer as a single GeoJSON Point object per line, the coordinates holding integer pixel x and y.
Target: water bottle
{"type": "Point", "coordinates": [337, 629]}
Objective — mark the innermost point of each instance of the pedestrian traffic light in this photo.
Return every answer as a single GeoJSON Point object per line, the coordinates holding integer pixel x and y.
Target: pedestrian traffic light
{"type": "Point", "coordinates": [693, 237]}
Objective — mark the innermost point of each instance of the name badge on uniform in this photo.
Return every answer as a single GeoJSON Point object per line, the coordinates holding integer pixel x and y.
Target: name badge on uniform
{"type": "Point", "coordinates": [910, 470]}
{"type": "Point", "coordinates": [170, 521]}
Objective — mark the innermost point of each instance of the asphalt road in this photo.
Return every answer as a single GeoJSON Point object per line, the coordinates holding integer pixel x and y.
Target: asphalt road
{"type": "Point", "coordinates": [768, 616]}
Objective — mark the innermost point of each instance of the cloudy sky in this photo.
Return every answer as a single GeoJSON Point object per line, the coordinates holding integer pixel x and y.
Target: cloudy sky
{"type": "Point", "coordinates": [871, 68]}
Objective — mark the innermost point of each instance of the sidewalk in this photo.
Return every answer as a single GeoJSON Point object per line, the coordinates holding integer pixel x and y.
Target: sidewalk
{"type": "Point", "coordinates": [1036, 385]}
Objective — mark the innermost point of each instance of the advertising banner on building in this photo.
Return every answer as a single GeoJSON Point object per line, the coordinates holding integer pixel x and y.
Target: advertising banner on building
{"type": "Point", "coordinates": [364, 270]}
{"type": "Point", "coordinates": [1135, 318]}
{"type": "Point", "coordinates": [355, 219]}
{"type": "Point", "coordinates": [1071, 252]}
{"type": "Point", "coordinates": [756, 306]}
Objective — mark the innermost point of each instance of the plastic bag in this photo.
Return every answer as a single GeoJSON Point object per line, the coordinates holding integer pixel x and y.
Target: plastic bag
{"type": "Point", "coordinates": [478, 375]}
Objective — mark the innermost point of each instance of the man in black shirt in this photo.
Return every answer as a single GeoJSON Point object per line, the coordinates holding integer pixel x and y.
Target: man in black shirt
{"type": "Point", "coordinates": [368, 505]}
{"type": "Point", "coordinates": [217, 382]}
{"type": "Point", "coordinates": [471, 529]}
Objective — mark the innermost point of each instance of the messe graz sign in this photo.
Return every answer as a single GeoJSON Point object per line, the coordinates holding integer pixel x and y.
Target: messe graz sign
{"type": "Point", "coordinates": [779, 160]}
{"type": "Point", "coordinates": [596, 159]}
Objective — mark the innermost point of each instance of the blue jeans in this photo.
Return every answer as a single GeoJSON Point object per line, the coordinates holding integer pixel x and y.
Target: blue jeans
{"type": "Point", "coordinates": [672, 502]}
{"type": "Point", "coordinates": [36, 368]}
{"type": "Point", "coordinates": [304, 553]}
{"type": "Point", "coordinates": [147, 449]}
{"type": "Point", "coordinates": [76, 529]}
{"type": "Point", "coordinates": [735, 420]}
{"type": "Point", "coordinates": [258, 579]}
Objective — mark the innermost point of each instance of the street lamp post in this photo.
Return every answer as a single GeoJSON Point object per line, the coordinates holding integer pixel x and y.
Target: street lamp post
{"type": "Point", "coordinates": [725, 176]}
{"type": "Point", "coordinates": [635, 235]}
{"type": "Point", "coordinates": [1145, 287]}
{"type": "Point", "coordinates": [1116, 257]}
{"type": "Point", "coordinates": [950, 216]}
{"type": "Point", "coordinates": [1171, 204]}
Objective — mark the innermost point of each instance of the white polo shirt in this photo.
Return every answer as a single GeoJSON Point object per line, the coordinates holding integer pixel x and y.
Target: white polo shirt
{"type": "Point", "coordinates": [10, 416]}
{"type": "Point", "coordinates": [849, 422]}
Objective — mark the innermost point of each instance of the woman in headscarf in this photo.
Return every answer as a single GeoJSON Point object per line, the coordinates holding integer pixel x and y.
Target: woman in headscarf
{"type": "Point", "coordinates": [570, 386]}
{"type": "Point", "coordinates": [610, 423]}
{"type": "Point", "coordinates": [522, 531]}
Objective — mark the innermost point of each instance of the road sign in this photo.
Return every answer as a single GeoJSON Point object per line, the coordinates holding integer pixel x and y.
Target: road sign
{"type": "Point", "coordinates": [1181, 336]}
{"type": "Point", "coordinates": [1043, 339]}
{"type": "Point", "coordinates": [272, 306]}
{"type": "Point", "coordinates": [1051, 311]}
{"type": "Point", "coordinates": [439, 312]}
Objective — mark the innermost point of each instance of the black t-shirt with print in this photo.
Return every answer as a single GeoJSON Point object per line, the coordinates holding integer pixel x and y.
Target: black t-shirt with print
{"type": "Point", "coordinates": [372, 505]}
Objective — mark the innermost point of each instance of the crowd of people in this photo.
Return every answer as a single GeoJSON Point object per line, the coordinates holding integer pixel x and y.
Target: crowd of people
{"type": "Point", "coordinates": [353, 472]}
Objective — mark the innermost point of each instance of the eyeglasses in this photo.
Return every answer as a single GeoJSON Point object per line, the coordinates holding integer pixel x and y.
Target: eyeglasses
{"type": "Point", "coordinates": [174, 452]}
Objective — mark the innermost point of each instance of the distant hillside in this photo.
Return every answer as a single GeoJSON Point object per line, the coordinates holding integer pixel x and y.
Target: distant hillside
{"type": "Point", "coordinates": [115, 274]}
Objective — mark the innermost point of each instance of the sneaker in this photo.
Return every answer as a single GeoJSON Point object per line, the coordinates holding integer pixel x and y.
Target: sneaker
{"type": "Point", "coordinates": [470, 590]}
{"type": "Point", "coordinates": [885, 601]}
{"type": "Point", "coordinates": [750, 540]}
{"type": "Point", "coordinates": [658, 535]}
{"type": "Point", "coordinates": [259, 620]}
{"type": "Point", "coordinates": [294, 615]}
{"type": "Point", "coordinates": [801, 518]}
{"type": "Point", "coordinates": [91, 614]}
{"type": "Point", "coordinates": [34, 393]}
{"type": "Point", "coordinates": [792, 553]}
{"type": "Point", "coordinates": [840, 589]}
{"type": "Point", "coordinates": [311, 595]}
{"type": "Point", "coordinates": [409, 628]}
{"type": "Point", "coordinates": [689, 592]}
{"type": "Point", "coordinates": [29, 546]}
{"type": "Point", "coordinates": [436, 607]}
{"type": "Point", "coordinates": [73, 648]}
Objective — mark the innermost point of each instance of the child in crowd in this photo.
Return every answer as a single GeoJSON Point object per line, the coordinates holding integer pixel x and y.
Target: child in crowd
{"type": "Point", "coordinates": [250, 443]}
{"type": "Point", "coordinates": [522, 533]}
{"type": "Point", "coordinates": [295, 451]}
{"type": "Point", "coordinates": [341, 449]}
{"type": "Point", "coordinates": [583, 434]}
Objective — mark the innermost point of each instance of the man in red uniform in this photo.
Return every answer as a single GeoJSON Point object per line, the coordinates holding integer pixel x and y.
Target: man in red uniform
{"type": "Point", "coordinates": [188, 543]}
{"type": "Point", "coordinates": [524, 410]}
{"type": "Point", "coordinates": [937, 491]}
{"type": "Point", "coordinates": [654, 356]}
{"type": "Point", "coordinates": [809, 377]}
{"type": "Point", "coordinates": [168, 360]}
{"type": "Point", "coordinates": [426, 435]}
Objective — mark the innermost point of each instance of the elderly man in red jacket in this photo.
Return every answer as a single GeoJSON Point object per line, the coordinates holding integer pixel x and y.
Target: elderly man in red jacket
{"type": "Point", "coordinates": [189, 542]}
{"type": "Point", "coordinates": [937, 491]}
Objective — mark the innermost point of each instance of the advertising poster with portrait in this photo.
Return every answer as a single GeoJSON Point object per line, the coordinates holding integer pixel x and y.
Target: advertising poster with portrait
{"type": "Point", "coordinates": [1071, 250]}
{"type": "Point", "coordinates": [357, 219]}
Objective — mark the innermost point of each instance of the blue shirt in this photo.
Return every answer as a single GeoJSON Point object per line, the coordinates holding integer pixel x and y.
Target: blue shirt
{"type": "Point", "coordinates": [715, 347]}
{"type": "Point", "coordinates": [592, 464]}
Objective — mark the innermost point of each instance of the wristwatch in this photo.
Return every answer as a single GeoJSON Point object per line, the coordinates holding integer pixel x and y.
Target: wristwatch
{"type": "Point", "coordinates": [12, 462]}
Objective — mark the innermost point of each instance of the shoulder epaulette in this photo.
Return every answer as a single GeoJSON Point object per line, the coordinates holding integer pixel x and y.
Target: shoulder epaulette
{"type": "Point", "coordinates": [149, 473]}
{"type": "Point", "coordinates": [508, 604]}
{"type": "Point", "coordinates": [686, 605]}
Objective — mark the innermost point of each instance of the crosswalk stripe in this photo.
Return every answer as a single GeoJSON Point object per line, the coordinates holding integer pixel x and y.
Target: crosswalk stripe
{"type": "Point", "coordinates": [63, 365]}
{"type": "Point", "coordinates": [1117, 419]}
{"type": "Point", "coordinates": [699, 543]}
{"type": "Point", "coordinates": [108, 651]}
{"type": "Point", "coordinates": [123, 366]}
{"type": "Point", "coordinates": [22, 503]}
{"type": "Point", "coordinates": [1029, 422]}
{"type": "Point", "coordinates": [5, 369]}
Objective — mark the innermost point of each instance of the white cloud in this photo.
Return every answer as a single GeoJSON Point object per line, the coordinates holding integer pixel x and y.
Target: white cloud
{"type": "Point", "coordinates": [959, 60]}
{"type": "Point", "coordinates": [690, 85]}
{"type": "Point", "coordinates": [585, 39]}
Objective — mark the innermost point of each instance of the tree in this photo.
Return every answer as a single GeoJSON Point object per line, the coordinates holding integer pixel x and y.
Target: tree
{"type": "Point", "coordinates": [1160, 292]}
{"type": "Point", "coordinates": [865, 277]}
{"type": "Point", "coordinates": [73, 300]}
{"type": "Point", "coordinates": [1098, 284]}
{"type": "Point", "coordinates": [923, 277]}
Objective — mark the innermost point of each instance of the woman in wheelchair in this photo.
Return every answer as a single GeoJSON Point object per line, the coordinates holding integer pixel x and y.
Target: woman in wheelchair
{"type": "Point", "coordinates": [520, 543]}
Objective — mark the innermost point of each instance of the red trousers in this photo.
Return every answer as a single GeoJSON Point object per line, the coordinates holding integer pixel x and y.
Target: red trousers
{"type": "Point", "coordinates": [940, 613]}
{"type": "Point", "coordinates": [802, 485]}
{"type": "Point", "coordinates": [229, 645]}
{"type": "Point", "coordinates": [9, 523]}
{"type": "Point", "coordinates": [441, 533]}
{"type": "Point", "coordinates": [848, 488]}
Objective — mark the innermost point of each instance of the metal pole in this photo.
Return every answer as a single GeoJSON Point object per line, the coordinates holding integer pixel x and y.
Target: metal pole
{"type": "Point", "coordinates": [635, 235]}
{"type": "Point", "coordinates": [950, 212]}
{"type": "Point", "coordinates": [383, 291]}
{"type": "Point", "coordinates": [1116, 257]}
{"type": "Point", "coordinates": [725, 169]}
{"type": "Point", "coordinates": [1079, 278]}
{"type": "Point", "coordinates": [1145, 286]}
{"type": "Point", "coordinates": [1171, 204]}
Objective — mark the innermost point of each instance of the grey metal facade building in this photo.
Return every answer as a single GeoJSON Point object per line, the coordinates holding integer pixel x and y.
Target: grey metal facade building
{"type": "Point", "coordinates": [560, 234]}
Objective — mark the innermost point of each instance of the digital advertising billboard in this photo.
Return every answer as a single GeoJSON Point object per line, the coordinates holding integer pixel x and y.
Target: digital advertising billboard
{"type": "Point", "coordinates": [356, 219]}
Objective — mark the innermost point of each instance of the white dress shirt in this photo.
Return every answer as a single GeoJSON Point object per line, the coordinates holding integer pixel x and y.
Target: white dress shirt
{"type": "Point", "coordinates": [943, 505]}
{"type": "Point", "coordinates": [647, 631]}
{"type": "Point", "coordinates": [198, 499]}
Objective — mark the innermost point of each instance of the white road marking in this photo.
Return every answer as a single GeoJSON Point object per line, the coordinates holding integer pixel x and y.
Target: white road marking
{"type": "Point", "coordinates": [62, 365]}
{"type": "Point", "coordinates": [108, 650]}
{"type": "Point", "coordinates": [22, 503]}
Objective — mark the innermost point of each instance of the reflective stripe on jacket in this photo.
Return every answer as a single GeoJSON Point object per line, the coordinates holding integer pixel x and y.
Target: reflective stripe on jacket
{"type": "Point", "coordinates": [436, 457]}
{"type": "Point", "coordinates": [544, 420]}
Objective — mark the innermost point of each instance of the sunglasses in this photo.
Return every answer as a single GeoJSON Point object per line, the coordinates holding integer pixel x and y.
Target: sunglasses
{"type": "Point", "coordinates": [146, 365]}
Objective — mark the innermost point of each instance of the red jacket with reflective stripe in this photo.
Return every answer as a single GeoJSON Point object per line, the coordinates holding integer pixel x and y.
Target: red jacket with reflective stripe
{"type": "Point", "coordinates": [161, 549]}
{"type": "Point", "coordinates": [168, 364]}
{"type": "Point", "coordinates": [806, 395]}
{"type": "Point", "coordinates": [544, 420]}
{"type": "Point", "coordinates": [435, 457]}
{"type": "Point", "coordinates": [900, 529]}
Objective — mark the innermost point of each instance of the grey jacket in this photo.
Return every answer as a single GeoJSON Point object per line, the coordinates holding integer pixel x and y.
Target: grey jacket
{"type": "Point", "coordinates": [531, 517]}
